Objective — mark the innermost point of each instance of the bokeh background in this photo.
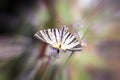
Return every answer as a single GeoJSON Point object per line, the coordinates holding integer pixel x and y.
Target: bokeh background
{"type": "Point", "coordinates": [22, 57]}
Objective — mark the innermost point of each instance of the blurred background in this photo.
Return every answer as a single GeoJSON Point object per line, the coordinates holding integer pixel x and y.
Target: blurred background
{"type": "Point", "coordinates": [23, 57]}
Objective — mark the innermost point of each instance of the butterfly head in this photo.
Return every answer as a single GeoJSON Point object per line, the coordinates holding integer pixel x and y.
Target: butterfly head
{"type": "Point", "coordinates": [57, 45]}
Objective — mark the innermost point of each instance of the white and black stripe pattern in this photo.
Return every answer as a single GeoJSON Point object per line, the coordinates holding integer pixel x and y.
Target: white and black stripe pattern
{"type": "Point", "coordinates": [60, 37]}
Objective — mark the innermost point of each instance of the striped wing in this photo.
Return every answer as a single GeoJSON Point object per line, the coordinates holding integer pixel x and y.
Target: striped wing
{"type": "Point", "coordinates": [59, 39]}
{"type": "Point", "coordinates": [63, 31]}
{"type": "Point", "coordinates": [50, 36]}
{"type": "Point", "coordinates": [69, 42]}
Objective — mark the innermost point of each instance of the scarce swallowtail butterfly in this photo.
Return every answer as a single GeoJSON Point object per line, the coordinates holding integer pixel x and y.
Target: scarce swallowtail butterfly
{"type": "Point", "coordinates": [60, 39]}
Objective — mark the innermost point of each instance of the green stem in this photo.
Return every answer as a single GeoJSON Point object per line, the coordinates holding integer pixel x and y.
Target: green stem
{"type": "Point", "coordinates": [69, 58]}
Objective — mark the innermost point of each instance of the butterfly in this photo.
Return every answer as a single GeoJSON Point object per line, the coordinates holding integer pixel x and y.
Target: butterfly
{"type": "Point", "coordinates": [60, 39]}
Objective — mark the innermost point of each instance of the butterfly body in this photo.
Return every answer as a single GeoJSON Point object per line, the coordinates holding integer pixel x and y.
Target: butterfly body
{"type": "Point", "coordinates": [60, 39]}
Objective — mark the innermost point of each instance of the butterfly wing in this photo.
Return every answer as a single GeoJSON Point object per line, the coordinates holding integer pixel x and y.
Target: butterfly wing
{"type": "Point", "coordinates": [63, 31]}
{"type": "Point", "coordinates": [69, 42]}
{"type": "Point", "coordinates": [57, 38]}
{"type": "Point", "coordinates": [50, 36]}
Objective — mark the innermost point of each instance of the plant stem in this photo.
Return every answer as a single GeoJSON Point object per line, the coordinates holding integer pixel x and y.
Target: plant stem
{"type": "Point", "coordinates": [69, 58]}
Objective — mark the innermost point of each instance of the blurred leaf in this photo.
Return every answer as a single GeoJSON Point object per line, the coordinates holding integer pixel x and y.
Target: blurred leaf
{"type": "Point", "coordinates": [64, 11]}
